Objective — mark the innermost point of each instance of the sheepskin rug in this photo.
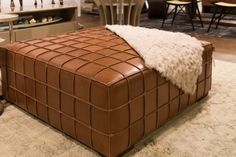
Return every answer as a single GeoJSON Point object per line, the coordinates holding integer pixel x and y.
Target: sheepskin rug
{"type": "Point", "coordinates": [177, 56]}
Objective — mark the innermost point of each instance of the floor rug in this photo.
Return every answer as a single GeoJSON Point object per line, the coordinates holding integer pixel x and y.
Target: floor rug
{"type": "Point", "coordinates": [206, 129]}
{"type": "Point", "coordinates": [182, 24]}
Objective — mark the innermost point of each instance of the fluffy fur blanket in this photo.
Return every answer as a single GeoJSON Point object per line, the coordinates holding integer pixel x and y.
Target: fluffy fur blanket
{"type": "Point", "coordinates": [177, 56]}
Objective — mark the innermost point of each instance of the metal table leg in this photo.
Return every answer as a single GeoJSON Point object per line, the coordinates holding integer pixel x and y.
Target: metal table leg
{"type": "Point", "coordinates": [10, 31]}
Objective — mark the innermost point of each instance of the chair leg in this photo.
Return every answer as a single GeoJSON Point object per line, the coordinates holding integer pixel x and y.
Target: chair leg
{"type": "Point", "coordinates": [176, 7]}
{"type": "Point", "coordinates": [191, 20]}
{"type": "Point", "coordinates": [212, 19]}
{"type": "Point", "coordinates": [165, 16]}
{"type": "Point", "coordinates": [199, 15]}
{"type": "Point", "coordinates": [220, 17]}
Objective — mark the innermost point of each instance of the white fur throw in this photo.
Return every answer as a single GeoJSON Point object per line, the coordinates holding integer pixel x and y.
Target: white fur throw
{"type": "Point", "coordinates": [177, 56]}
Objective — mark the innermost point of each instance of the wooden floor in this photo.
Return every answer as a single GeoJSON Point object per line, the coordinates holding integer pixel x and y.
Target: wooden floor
{"type": "Point", "coordinates": [225, 49]}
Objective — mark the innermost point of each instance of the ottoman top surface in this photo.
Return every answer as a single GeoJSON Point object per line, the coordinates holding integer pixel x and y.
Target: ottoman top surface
{"type": "Point", "coordinates": [96, 53]}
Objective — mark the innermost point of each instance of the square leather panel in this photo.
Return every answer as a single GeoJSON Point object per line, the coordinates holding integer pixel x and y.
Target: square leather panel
{"type": "Point", "coordinates": [119, 142]}
{"type": "Point", "coordinates": [10, 59]}
{"type": "Point", "coordinates": [136, 109]}
{"type": "Point", "coordinates": [30, 87]}
{"type": "Point", "coordinates": [19, 64]}
{"type": "Point", "coordinates": [42, 111]}
{"type": "Point", "coordinates": [40, 71]}
{"type": "Point", "coordinates": [41, 93]}
{"type": "Point", "coordinates": [83, 133]}
{"type": "Point", "coordinates": [20, 82]}
{"type": "Point", "coordinates": [136, 131]}
{"type": "Point", "coordinates": [68, 125]}
{"type": "Point", "coordinates": [21, 100]}
{"type": "Point", "coordinates": [11, 78]}
{"type": "Point", "coordinates": [67, 81]}
{"type": "Point", "coordinates": [82, 88]}
{"type": "Point", "coordinates": [53, 76]}
{"type": "Point", "coordinates": [29, 67]}
{"type": "Point", "coordinates": [82, 112]}
{"type": "Point", "coordinates": [95, 88]}
{"type": "Point", "coordinates": [54, 118]}
{"type": "Point", "coordinates": [67, 104]}
{"type": "Point", "coordinates": [119, 119]}
{"type": "Point", "coordinates": [31, 106]}
{"type": "Point", "coordinates": [53, 96]}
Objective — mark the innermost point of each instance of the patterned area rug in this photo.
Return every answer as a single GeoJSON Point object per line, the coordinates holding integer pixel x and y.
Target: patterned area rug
{"type": "Point", "coordinates": [182, 24]}
{"type": "Point", "coordinates": [206, 129]}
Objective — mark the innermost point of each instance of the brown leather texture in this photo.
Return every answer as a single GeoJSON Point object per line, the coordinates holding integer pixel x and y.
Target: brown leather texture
{"type": "Point", "coordinates": [94, 87]}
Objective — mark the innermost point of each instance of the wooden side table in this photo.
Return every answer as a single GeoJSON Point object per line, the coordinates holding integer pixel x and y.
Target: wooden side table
{"type": "Point", "coordinates": [9, 18]}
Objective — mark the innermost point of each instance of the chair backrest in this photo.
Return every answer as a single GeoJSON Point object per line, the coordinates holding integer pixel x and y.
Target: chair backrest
{"type": "Point", "coordinates": [129, 6]}
{"type": "Point", "coordinates": [110, 7]}
{"type": "Point", "coordinates": [136, 12]}
{"type": "Point", "coordinates": [101, 12]}
{"type": "Point", "coordinates": [120, 11]}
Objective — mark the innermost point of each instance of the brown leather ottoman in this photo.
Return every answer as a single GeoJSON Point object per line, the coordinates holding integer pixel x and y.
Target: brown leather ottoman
{"type": "Point", "coordinates": [95, 88]}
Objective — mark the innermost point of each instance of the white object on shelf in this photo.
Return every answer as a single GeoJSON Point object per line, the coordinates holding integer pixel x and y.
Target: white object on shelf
{"type": "Point", "coordinates": [31, 25]}
{"type": "Point", "coordinates": [2, 40]}
{"type": "Point", "coordinates": [8, 17]}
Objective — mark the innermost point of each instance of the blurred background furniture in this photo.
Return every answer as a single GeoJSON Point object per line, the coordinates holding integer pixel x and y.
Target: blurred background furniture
{"type": "Point", "coordinates": [208, 6]}
{"type": "Point", "coordinates": [223, 8]}
{"type": "Point", "coordinates": [89, 6]}
{"type": "Point", "coordinates": [9, 18]}
{"type": "Point", "coordinates": [120, 12]}
{"type": "Point", "coordinates": [64, 18]}
{"type": "Point", "coordinates": [157, 8]}
{"type": "Point", "coordinates": [187, 7]}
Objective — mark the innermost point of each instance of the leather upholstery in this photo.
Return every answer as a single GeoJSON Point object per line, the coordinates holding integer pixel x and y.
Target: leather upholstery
{"type": "Point", "coordinates": [94, 87]}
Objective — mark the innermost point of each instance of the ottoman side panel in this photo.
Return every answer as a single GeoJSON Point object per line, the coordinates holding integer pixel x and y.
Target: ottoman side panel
{"type": "Point", "coordinates": [3, 54]}
{"type": "Point", "coordinates": [145, 101]}
{"type": "Point", "coordinates": [133, 111]}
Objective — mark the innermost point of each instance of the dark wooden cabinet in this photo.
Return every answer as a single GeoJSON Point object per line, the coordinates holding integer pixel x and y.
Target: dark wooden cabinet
{"type": "Point", "coordinates": [157, 8]}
